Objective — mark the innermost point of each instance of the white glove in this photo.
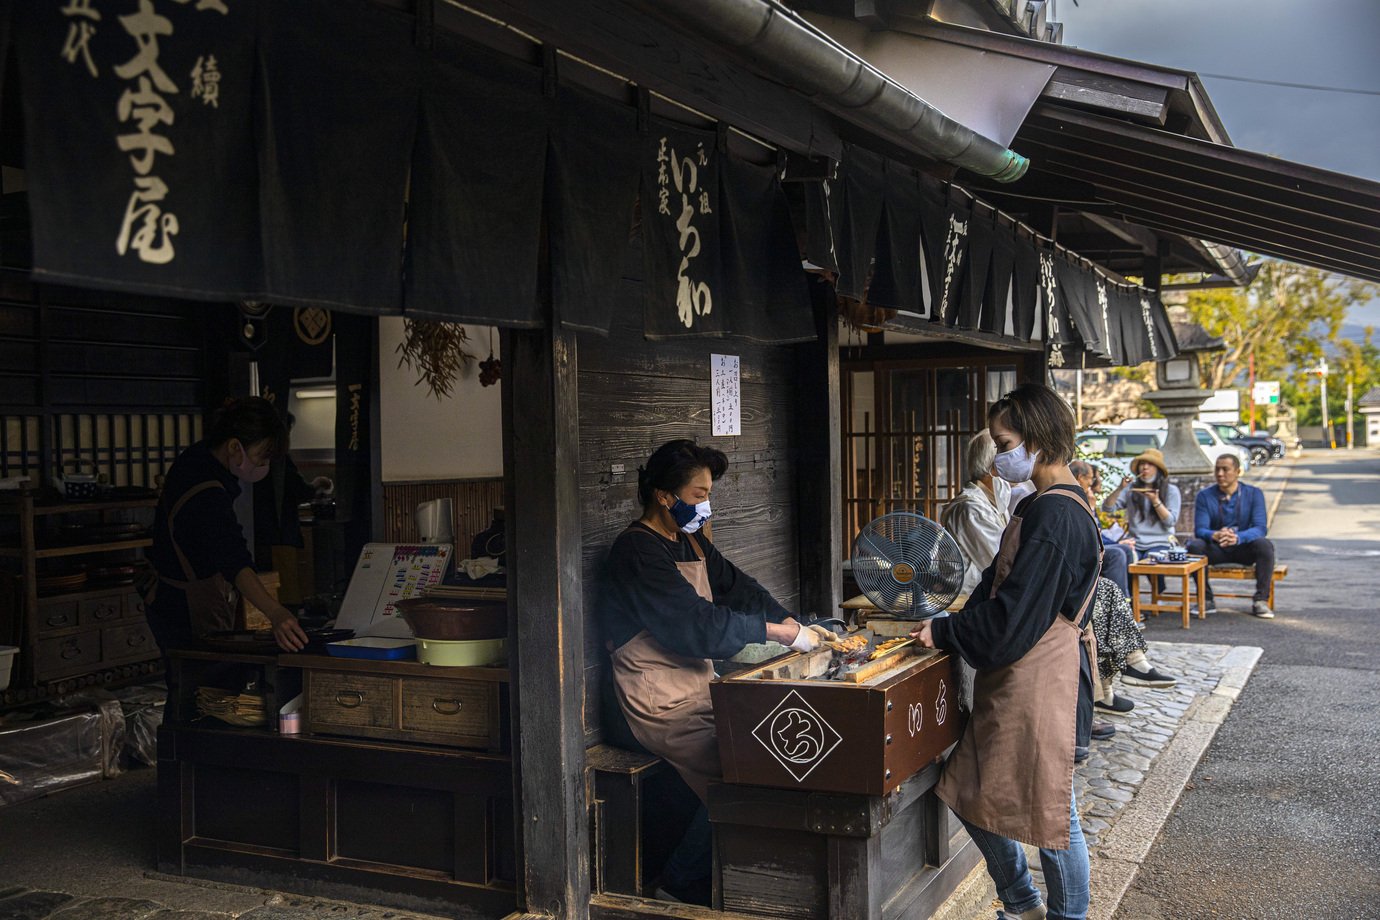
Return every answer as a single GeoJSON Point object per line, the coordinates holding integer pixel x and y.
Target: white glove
{"type": "Point", "coordinates": [823, 634]}
{"type": "Point", "coordinates": [805, 640]}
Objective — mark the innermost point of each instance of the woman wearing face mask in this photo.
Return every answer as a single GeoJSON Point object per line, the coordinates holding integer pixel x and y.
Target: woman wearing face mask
{"type": "Point", "coordinates": [1024, 629]}
{"type": "Point", "coordinates": [671, 603]}
{"type": "Point", "coordinates": [199, 551]}
{"type": "Point", "coordinates": [1152, 503]}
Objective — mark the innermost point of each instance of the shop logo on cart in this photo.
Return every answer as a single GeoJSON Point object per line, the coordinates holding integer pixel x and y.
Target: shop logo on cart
{"type": "Point", "coordinates": [797, 736]}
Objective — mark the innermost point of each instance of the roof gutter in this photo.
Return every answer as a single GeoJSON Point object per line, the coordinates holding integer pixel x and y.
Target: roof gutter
{"type": "Point", "coordinates": [785, 46]}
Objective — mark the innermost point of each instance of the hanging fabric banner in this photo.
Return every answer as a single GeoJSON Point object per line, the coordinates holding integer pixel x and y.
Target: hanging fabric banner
{"type": "Point", "coordinates": [820, 201]}
{"type": "Point", "coordinates": [353, 394]}
{"type": "Point", "coordinates": [996, 297]}
{"type": "Point", "coordinates": [978, 264]}
{"type": "Point", "coordinates": [338, 115]}
{"type": "Point", "coordinates": [680, 232]}
{"type": "Point", "coordinates": [138, 145]}
{"type": "Point", "coordinates": [896, 274]}
{"type": "Point", "coordinates": [952, 269]}
{"type": "Point", "coordinates": [593, 184]}
{"type": "Point", "coordinates": [1080, 295]}
{"type": "Point", "coordinates": [1059, 339]}
{"type": "Point", "coordinates": [1026, 284]}
{"type": "Point", "coordinates": [934, 232]}
{"type": "Point", "coordinates": [765, 297]}
{"type": "Point", "coordinates": [860, 218]}
{"type": "Point", "coordinates": [1165, 344]}
{"type": "Point", "coordinates": [474, 218]}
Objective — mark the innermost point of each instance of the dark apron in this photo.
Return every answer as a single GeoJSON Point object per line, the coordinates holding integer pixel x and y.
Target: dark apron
{"type": "Point", "coordinates": [665, 696]}
{"type": "Point", "coordinates": [1012, 771]}
{"type": "Point", "coordinates": [211, 602]}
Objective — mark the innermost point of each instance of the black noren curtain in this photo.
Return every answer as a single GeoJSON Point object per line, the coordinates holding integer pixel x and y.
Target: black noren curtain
{"type": "Point", "coordinates": [821, 201]}
{"type": "Point", "coordinates": [997, 295]}
{"type": "Point", "coordinates": [680, 231]}
{"type": "Point", "coordinates": [860, 217]}
{"type": "Point", "coordinates": [138, 145]}
{"type": "Point", "coordinates": [592, 181]}
{"type": "Point", "coordinates": [1079, 290]}
{"type": "Point", "coordinates": [474, 222]}
{"type": "Point", "coordinates": [950, 273]}
{"type": "Point", "coordinates": [896, 275]}
{"type": "Point", "coordinates": [1025, 289]}
{"type": "Point", "coordinates": [976, 270]}
{"type": "Point", "coordinates": [338, 107]}
{"type": "Point", "coordinates": [766, 298]}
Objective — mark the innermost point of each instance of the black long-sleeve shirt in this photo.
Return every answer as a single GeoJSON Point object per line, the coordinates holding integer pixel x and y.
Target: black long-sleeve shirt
{"type": "Point", "coordinates": [1053, 572]}
{"type": "Point", "coordinates": [207, 531]}
{"type": "Point", "coordinates": [645, 590]}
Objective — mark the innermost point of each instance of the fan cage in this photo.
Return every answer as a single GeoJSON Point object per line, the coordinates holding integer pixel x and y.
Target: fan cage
{"type": "Point", "coordinates": [908, 565]}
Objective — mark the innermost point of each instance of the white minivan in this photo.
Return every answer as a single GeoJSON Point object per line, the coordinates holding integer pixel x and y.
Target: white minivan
{"type": "Point", "coordinates": [1208, 439]}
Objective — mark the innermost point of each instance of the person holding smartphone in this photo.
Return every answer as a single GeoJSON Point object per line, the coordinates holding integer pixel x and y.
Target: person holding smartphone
{"type": "Point", "coordinates": [1151, 502]}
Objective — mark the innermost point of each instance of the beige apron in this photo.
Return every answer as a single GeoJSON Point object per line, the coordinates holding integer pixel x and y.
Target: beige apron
{"type": "Point", "coordinates": [665, 696]}
{"type": "Point", "coordinates": [1012, 771]}
{"type": "Point", "coordinates": [211, 601]}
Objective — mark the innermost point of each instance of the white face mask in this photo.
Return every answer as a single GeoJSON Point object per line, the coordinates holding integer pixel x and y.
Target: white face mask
{"type": "Point", "coordinates": [1016, 464]}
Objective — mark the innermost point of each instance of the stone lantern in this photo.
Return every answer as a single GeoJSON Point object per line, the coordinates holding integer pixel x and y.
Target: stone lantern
{"type": "Point", "coordinates": [1179, 397]}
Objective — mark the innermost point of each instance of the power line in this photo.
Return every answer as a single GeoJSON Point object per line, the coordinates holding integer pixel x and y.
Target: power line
{"type": "Point", "coordinates": [1325, 89]}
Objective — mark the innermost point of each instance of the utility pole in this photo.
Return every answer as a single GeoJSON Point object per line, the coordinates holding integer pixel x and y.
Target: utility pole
{"type": "Point", "coordinates": [1350, 443]}
{"type": "Point", "coordinates": [1252, 366]}
{"type": "Point", "coordinates": [1327, 423]}
{"type": "Point", "coordinates": [1078, 396]}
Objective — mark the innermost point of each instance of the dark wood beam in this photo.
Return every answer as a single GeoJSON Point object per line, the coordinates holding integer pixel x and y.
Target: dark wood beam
{"type": "Point", "coordinates": [1073, 86]}
{"type": "Point", "coordinates": [1141, 238]}
{"type": "Point", "coordinates": [541, 459]}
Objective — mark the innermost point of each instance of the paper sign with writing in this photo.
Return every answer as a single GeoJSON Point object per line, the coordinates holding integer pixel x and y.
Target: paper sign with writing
{"type": "Point", "coordinates": [727, 393]}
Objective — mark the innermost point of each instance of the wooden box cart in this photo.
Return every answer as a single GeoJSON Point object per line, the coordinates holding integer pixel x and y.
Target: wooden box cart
{"type": "Point", "coordinates": [784, 724]}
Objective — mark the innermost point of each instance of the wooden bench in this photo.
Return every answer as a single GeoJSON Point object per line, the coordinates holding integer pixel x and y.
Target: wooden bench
{"type": "Point", "coordinates": [1236, 572]}
{"type": "Point", "coordinates": [615, 778]}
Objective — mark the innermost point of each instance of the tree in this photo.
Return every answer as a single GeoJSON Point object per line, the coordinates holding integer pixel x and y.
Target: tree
{"type": "Point", "coordinates": [1284, 321]}
{"type": "Point", "coordinates": [1348, 360]}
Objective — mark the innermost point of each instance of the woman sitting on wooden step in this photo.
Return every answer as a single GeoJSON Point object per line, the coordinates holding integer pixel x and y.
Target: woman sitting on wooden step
{"type": "Point", "coordinates": [672, 603]}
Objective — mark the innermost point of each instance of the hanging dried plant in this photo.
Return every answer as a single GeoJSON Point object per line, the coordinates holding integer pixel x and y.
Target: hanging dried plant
{"type": "Point", "coordinates": [436, 351]}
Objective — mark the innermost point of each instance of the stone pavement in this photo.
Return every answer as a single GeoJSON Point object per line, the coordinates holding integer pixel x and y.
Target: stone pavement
{"type": "Point", "coordinates": [41, 904]}
{"type": "Point", "coordinates": [1130, 782]}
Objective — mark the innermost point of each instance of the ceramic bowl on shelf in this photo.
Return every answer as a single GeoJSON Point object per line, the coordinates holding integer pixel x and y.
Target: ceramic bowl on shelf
{"type": "Point", "coordinates": [474, 653]}
{"type": "Point", "coordinates": [455, 620]}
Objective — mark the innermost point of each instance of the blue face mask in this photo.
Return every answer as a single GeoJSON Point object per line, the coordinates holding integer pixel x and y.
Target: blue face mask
{"type": "Point", "coordinates": [690, 518]}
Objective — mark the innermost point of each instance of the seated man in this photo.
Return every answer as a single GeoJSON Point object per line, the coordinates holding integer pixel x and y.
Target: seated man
{"type": "Point", "coordinates": [1116, 556]}
{"type": "Point", "coordinates": [1229, 526]}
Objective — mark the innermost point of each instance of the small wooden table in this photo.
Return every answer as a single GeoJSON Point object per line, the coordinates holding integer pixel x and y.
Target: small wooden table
{"type": "Point", "coordinates": [1194, 569]}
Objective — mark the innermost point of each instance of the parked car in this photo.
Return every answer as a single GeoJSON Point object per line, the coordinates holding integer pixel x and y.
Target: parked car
{"type": "Point", "coordinates": [1262, 447]}
{"type": "Point", "coordinates": [1119, 443]}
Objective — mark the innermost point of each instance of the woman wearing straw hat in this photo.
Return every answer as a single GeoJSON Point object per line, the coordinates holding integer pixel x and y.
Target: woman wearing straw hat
{"type": "Point", "coordinates": [1151, 503]}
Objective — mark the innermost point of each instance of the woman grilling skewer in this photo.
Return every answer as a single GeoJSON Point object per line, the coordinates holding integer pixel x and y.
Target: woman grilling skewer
{"type": "Point", "coordinates": [672, 603]}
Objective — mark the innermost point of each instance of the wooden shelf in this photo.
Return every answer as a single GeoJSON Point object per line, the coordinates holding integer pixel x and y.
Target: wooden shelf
{"type": "Point", "coordinates": [394, 668]}
{"type": "Point", "coordinates": [78, 549]}
{"type": "Point", "coordinates": [12, 505]}
{"type": "Point", "coordinates": [86, 593]}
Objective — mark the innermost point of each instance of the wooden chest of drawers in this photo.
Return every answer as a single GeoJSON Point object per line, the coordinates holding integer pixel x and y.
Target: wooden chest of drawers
{"type": "Point", "coordinates": [404, 701]}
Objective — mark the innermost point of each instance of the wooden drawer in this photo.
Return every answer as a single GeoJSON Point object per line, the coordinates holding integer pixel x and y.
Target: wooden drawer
{"type": "Point", "coordinates": [134, 607]}
{"type": "Point", "coordinates": [128, 642]}
{"type": "Point", "coordinates": [100, 611]}
{"type": "Point", "coordinates": [57, 614]}
{"type": "Point", "coordinates": [462, 711]}
{"type": "Point", "coordinates": [349, 701]}
{"type": "Point", "coordinates": [68, 654]}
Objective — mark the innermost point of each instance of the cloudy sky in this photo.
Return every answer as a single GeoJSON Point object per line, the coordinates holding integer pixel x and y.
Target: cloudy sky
{"type": "Point", "coordinates": [1316, 42]}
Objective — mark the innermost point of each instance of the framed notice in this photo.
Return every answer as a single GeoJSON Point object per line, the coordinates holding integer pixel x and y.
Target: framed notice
{"type": "Point", "coordinates": [726, 393]}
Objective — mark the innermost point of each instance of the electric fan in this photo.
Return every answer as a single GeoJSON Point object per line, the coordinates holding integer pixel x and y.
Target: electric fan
{"type": "Point", "coordinates": [908, 565]}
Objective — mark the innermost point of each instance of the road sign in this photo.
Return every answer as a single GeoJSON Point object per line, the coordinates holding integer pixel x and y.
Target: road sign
{"type": "Point", "coordinates": [1266, 392]}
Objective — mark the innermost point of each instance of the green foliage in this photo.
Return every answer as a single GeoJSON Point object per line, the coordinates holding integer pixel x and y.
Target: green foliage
{"type": "Point", "coordinates": [1358, 362]}
{"type": "Point", "coordinates": [1285, 320]}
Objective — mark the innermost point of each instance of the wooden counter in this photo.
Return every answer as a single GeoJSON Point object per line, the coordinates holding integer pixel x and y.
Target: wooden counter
{"type": "Point", "coordinates": [420, 826]}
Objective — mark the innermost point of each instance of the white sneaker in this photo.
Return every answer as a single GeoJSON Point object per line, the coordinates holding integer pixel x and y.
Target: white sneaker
{"type": "Point", "coordinates": [1262, 610]}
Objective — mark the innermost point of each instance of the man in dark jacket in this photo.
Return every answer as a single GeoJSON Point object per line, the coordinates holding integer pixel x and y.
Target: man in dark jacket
{"type": "Point", "coordinates": [1229, 524]}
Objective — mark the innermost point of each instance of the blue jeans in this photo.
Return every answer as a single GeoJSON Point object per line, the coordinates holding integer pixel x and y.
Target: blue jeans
{"type": "Point", "coordinates": [1115, 559]}
{"type": "Point", "coordinates": [1066, 872]}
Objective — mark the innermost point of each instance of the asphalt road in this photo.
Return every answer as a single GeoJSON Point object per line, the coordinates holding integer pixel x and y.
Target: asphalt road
{"type": "Point", "coordinates": [1282, 816]}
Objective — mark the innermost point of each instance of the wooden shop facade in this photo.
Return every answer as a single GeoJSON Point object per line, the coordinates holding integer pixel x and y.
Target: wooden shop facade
{"type": "Point", "coordinates": [629, 192]}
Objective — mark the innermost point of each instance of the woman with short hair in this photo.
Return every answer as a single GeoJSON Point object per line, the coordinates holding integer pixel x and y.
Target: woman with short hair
{"type": "Point", "coordinates": [1010, 777]}
{"type": "Point", "coordinates": [671, 603]}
